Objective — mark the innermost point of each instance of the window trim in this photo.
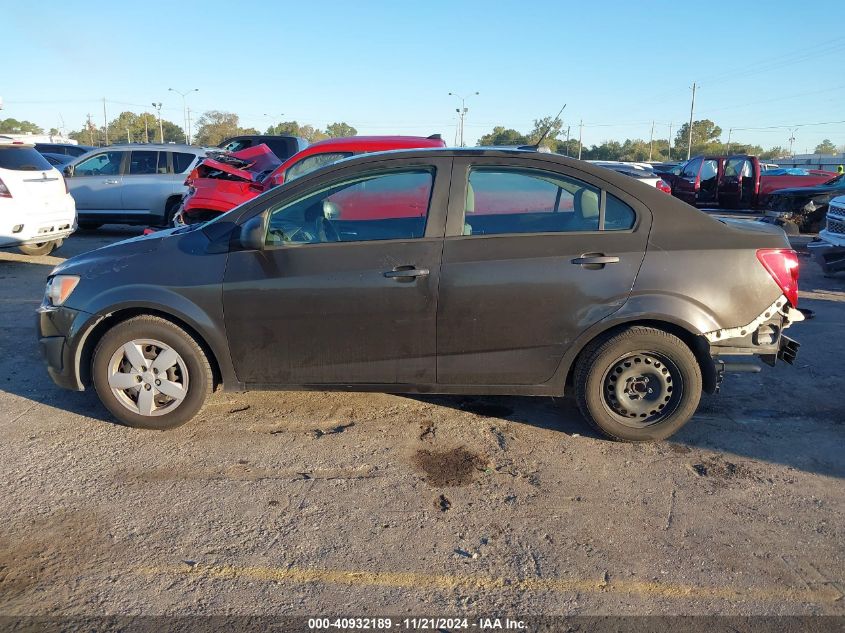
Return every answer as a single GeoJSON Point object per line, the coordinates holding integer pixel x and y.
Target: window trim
{"type": "Point", "coordinates": [323, 185]}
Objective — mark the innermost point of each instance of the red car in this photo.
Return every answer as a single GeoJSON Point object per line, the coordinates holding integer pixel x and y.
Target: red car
{"type": "Point", "coordinates": [221, 183]}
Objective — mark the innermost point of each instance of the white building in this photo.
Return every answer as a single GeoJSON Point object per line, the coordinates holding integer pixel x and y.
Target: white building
{"type": "Point", "coordinates": [828, 162]}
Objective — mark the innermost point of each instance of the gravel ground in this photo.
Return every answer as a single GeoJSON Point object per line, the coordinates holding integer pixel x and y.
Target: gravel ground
{"type": "Point", "coordinates": [315, 503]}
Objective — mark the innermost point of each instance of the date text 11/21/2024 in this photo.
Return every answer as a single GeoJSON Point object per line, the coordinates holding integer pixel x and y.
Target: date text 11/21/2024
{"type": "Point", "coordinates": [416, 624]}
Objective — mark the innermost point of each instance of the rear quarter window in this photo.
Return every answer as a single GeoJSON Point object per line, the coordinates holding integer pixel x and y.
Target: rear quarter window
{"type": "Point", "coordinates": [22, 159]}
{"type": "Point", "coordinates": [181, 161]}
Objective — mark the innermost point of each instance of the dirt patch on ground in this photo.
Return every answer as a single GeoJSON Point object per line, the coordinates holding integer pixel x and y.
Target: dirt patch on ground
{"type": "Point", "coordinates": [455, 467]}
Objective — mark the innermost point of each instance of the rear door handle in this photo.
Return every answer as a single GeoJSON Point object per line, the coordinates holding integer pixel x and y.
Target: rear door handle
{"type": "Point", "coordinates": [406, 273]}
{"type": "Point", "coordinates": [595, 259]}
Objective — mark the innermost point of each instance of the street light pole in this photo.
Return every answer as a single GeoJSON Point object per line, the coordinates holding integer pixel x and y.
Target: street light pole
{"type": "Point", "coordinates": [462, 111]}
{"type": "Point", "coordinates": [157, 106]}
{"type": "Point", "coordinates": [691, 112]}
{"type": "Point", "coordinates": [185, 111]}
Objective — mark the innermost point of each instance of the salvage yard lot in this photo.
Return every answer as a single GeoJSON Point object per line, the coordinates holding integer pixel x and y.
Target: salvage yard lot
{"type": "Point", "coordinates": [340, 503]}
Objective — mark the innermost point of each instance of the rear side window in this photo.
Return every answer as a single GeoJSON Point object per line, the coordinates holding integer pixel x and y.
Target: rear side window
{"type": "Point", "coordinates": [22, 159]}
{"type": "Point", "coordinates": [502, 200]}
{"type": "Point", "coordinates": [181, 161]}
{"type": "Point", "coordinates": [237, 145]}
{"type": "Point", "coordinates": [147, 163]}
{"type": "Point", "coordinates": [310, 163]}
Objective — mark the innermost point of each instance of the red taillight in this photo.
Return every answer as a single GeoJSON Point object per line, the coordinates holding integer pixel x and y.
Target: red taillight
{"type": "Point", "coordinates": [663, 186]}
{"type": "Point", "coordinates": [782, 264]}
{"type": "Point", "coordinates": [4, 190]}
{"type": "Point", "coordinates": [194, 174]}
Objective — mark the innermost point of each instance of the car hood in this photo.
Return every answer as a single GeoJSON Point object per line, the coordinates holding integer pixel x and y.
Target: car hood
{"type": "Point", "coordinates": [114, 257]}
{"type": "Point", "coordinates": [248, 164]}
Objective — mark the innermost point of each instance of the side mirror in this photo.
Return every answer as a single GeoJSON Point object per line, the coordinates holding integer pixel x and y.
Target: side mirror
{"type": "Point", "coordinates": [253, 234]}
{"type": "Point", "coordinates": [68, 171]}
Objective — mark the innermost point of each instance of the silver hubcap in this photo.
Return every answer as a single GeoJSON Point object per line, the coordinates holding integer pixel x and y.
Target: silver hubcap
{"type": "Point", "coordinates": [148, 377]}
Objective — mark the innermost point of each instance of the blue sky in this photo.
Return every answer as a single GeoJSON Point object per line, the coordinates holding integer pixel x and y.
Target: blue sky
{"type": "Point", "coordinates": [387, 67]}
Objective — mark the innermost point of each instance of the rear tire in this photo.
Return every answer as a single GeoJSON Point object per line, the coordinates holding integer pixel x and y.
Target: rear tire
{"type": "Point", "coordinates": [641, 384]}
{"type": "Point", "coordinates": [150, 373]}
{"type": "Point", "coordinates": [43, 248]}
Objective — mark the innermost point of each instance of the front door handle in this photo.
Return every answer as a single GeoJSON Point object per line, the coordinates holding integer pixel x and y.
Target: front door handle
{"type": "Point", "coordinates": [111, 182]}
{"type": "Point", "coordinates": [597, 258]}
{"type": "Point", "coordinates": [406, 273]}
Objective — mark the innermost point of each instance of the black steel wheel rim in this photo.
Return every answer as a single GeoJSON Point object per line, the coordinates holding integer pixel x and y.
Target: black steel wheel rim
{"type": "Point", "coordinates": [642, 388]}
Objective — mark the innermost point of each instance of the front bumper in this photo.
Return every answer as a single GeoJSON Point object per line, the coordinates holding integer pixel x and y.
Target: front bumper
{"type": "Point", "coordinates": [59, 339]}
{"type": "Point", "coordinates": [830, 256]}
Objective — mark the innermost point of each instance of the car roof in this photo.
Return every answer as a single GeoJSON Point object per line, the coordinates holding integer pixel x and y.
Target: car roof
{"type": "Point", "coordinates": [155, 146]}
{"type": "Point", "coordinates": [8, 141]}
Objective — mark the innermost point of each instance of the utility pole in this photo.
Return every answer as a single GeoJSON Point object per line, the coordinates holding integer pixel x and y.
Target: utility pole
{"type": "Point", "coordinates": [567, 140]}
{"type": "Point", "coordinates": [189, 125]}
{"type": "Point", "coordinates": [670, 141]}
{"type": "Point", "coordinates": [146, 129]}
{"type": "Point", "coordinates": [157, 106]}
{"type": "Point", "coordinates": [128, 136]}
{"type": "Point", "coordinates": [691, 112]}
{"type": "Point", "coordinates": [462, 111]}
{"type": "Point", "coordinates": [580, 130]}
{"type": "Point", "coordinates": [185, 111]}
{"type": "Point", "coordinates": [90, 131]}
{"type": "Point", "coordinates": [730, 132]}
{"type": "Point", "coordinates": [791, 141]}
{"type": "Point", "coordinates": [105, 122]}
{"type": "Point", "coordinates": [651, 142]}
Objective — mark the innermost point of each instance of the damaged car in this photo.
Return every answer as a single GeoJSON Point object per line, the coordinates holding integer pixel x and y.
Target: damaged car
{"type": "Point", "coordinates": [803, 209]}
{"type": "Point", "coordinates": [222, 182]}
{"type": "Point", "coordinates": [433, 271]}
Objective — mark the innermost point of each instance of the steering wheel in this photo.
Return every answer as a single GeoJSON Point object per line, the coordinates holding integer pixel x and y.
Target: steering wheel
{"type": "Point", "coordinates": [325, 230]}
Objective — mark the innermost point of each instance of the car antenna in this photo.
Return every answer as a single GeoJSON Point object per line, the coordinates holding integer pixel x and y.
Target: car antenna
{"type": "Point", "coordinates": [536, 146]}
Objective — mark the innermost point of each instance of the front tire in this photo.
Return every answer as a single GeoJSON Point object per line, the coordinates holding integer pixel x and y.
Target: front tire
{"type": "Point", "coordinates": [42, 248]}
{"type": "Point", "coordinates": [641, 384]}
{"type": "Point", "coordinates": [150, 373]}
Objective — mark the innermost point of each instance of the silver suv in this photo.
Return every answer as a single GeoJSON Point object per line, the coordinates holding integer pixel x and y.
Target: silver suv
{"type": "Point", "coordinates": [130, 184]}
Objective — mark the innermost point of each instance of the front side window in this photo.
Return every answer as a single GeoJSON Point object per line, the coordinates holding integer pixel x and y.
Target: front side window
{"type": "Point", "coordinates": [380, 206]}
{"type": "Point", "coordinates": [502, 200]}
{"type": "Point", "coordinates": [311, 163]}
{"type": "Point", "coordinates": [709, 169]}
{"type": "Point", "coordinates": [106, 163]}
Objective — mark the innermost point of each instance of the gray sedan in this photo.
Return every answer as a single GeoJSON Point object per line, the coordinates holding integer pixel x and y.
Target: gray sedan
{"type": "Point", "coordinates": [130, 184]}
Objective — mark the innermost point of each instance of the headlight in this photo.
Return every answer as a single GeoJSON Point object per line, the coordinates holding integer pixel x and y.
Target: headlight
{"type": "Point", "coordinates": [60, 287]}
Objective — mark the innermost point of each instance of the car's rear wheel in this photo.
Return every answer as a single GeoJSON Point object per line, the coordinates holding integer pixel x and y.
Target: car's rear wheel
{"type": "Point", "coordinates": [42, 248]}
{"type": "Point", "coordinates": [641, 384]}
{"type": "Point", "coordinates": [150, 373]}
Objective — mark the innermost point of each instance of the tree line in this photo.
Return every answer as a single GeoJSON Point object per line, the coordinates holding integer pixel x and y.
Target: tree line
{"type": "Point", "coordinates": [215, 126]}
{"type": "Point", "coordinates": [706, 139]}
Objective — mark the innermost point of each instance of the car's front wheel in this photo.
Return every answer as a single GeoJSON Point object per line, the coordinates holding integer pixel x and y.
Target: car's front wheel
{"type": "Point", "coordinates": [42, 248]}
{"type": "Point", "coordinates": [150, 373]}
{"type": "Point", "coordinates": [640, 384]}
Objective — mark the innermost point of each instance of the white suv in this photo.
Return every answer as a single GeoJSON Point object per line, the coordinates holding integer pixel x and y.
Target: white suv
{"type": "Point", "coordinates": [36, 211]}
{"type": "Point", "coordinates": [829, 250]}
